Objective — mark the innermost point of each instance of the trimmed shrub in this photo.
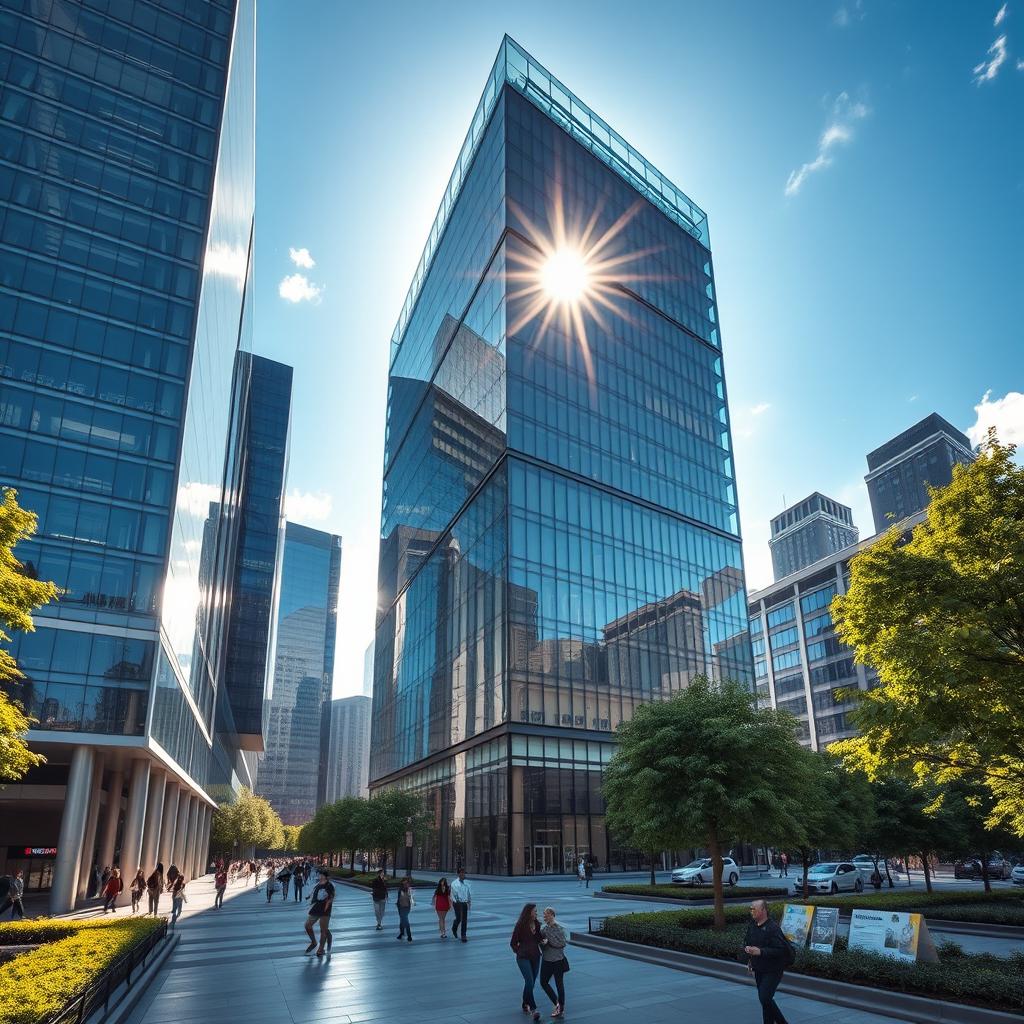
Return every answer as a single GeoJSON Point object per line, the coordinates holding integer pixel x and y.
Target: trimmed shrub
{"type": "Point", "coordinates": [703, 892]}
{"type": "Point", "coordinates": [1005, 907]}
{"type": "Point", "coordinates": [358, 878]}
{"type": "Point", "coordinates": [36, 985]}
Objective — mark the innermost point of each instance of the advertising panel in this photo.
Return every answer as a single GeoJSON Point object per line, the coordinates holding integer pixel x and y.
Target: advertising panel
{"type": "Point", "coordinates": [900, 936]}
{"type": "Point", "coordinates": [823, 932]}
{"type": "Point", "coordinates": [796, 923]}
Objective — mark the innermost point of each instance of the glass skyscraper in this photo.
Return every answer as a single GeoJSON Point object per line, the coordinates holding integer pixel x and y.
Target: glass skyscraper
{"type": "Point", "coordinates": [808, 531]}
{"type": "Point", "coordinates": [126, 214]}
{"type": "Point", "coordinates": [559, 537]}
{"type": "Point", "coordinates": [293, 771]}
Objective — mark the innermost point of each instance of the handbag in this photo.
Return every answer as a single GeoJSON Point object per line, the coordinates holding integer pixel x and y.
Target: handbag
{"type": "Point", "coordinates": [565, 964]}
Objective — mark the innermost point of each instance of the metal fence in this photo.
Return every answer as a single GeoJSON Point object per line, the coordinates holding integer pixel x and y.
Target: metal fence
{"type": "Point", "coordinates": [595, 925]}
{"type": "Point", "coordinates": [86, 1003]}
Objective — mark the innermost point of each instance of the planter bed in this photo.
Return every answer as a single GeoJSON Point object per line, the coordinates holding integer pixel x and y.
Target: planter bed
{"type": "Point", "coordinates": [981, 980]}
{"type": "Point", "coordinates": [1005, 907]}
{"type": "Point", "coordinates": [693, 894]}
{"type": "Point", "coordinates": [363, 881]}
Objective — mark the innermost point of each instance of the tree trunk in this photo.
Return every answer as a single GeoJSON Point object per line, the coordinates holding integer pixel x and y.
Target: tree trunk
{"type": "Point", "coordinates": [653, 879]}
{"type": "Point", "coordinates": [394, 862]}
{"type": "Point", "coordinates": [984, 871]}
{"type": "Point", "coordinates": [887, 875]}
{"type": "Point", "coordinates": [715, 849]}
{"type": "Point", "coordinates": [876, 878]}
{"type": "Point", "coordinates": [927, 871]}
{"type": "Point", "coordinates": [805, 863]}
{"type": "Point", "coordinates": [352, 861]}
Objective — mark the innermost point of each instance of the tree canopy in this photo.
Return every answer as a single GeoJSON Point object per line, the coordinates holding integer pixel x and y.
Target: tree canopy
{"type": "Point", "coordinates": [941, 619]}
{"type": "Point", "coordinates": [20, 595]}
{"type": "Point", "coordinates": [249, 821]}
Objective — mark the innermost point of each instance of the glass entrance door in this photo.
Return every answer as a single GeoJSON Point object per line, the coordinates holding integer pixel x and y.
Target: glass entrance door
{"type": "Point", "coordinates": [543, 860]}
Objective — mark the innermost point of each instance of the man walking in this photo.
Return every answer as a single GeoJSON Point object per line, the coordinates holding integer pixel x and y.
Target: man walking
{"type": "Point", "coordinates": [16, 893]}
{"type": "Point", "coordinates": [379, 894]}
{"type": "Point", "coordinates": [769, 953]}
{"type": "Point", "coordinates": [784, 861]}
{"type": "Point", "coordinates": [462, 900]}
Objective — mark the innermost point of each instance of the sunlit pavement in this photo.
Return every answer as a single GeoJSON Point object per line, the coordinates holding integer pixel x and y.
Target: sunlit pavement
{"type": "Point", "coordinates": [245, 964]}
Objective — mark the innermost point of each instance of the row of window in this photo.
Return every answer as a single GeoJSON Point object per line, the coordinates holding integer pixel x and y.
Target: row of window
{"type": "Point", "coordinates": [777, 616]}
{"type": "Point", "coordinates": [827, 648]}
{"type": "Point", "coordinates": [67, 652]}
{"type": "Point", "coordinates": [790, 659]}
{"type": "Point", "coordinates": [72, 707]}
{"type": "Point", "coordinates": [784, 638]}
{"type": "Point", "coordinates": [819, 624]}
{"type": "Point", "coordinates": [819, 599]}
{"type": "Point", "coordinates": [79, 471]}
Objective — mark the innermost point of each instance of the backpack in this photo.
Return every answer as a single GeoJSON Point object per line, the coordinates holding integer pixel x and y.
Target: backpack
{"type": "Point", "coordinates": [789, 955]}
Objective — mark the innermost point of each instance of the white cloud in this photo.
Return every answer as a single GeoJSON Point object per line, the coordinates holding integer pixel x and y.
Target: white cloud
{"type": "Point", "coordinates": [231, 261]}
{"type": "Point", "coordinates": [761, 407]}
{"type": "Point", "coordinates": [988, 69]}
{"type": "Point", "coordinates": [847, 13]}
{"type": "Point", "coordinates": [1006, 414]}
{"type": "Point", "coordinates": [1020, 65]}
{"type": "Point", "coordinates": [839, 129]}
{"type": "Point", "coordinates": [301, 258]}
{"type": "Point", "coordinates": [308, 506]}
{"type": "Point", "coordinates": [194, 498]}
{"type": "Point", "coordinates": [298, 288]}
{"type": "Point", "coordinates": [1001, 15]}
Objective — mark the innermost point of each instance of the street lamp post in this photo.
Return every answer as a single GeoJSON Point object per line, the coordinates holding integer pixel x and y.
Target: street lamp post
{"type": "Point", "coordinates": [408, 848]}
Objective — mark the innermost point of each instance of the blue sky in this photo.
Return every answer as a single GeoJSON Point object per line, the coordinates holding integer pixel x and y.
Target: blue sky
{"type": "Point", "coordinates": [861, 163]}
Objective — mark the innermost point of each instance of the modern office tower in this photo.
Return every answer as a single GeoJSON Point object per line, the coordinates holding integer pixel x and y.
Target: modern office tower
{"type": "Point", "coordinates": [368, 671]}
{"type": "Point", "coordinates": [293, 771]}
{"type": "Point", "coordinates": [126, 202]}
{"type": "Point", "coordinates": [900, 471]}
{"type": "Point", "coordinates": [559, 532]}
{"type": "Point", "coordinates": [348, 765]}
{"type": "Point", "coordinates": [808, 531]}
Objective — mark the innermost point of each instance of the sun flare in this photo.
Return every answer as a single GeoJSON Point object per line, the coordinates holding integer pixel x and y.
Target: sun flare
{"type": "Point", "coordinates": [565, 275]}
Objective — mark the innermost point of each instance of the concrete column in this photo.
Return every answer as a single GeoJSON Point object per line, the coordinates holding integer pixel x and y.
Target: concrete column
{"type": "Point", "coordinates": [170, 821]}
{"type": "Point", "coordinates": [72, 831]}
{"type": "Point", "coordinates": [91, 821]}
{"type": "Point", "coordinates": [105, 857]}
{"type": "Point", "coordinates": [180, 829]}
{"type": "Point", "coordinates": [203, 849]}
{"type": "Point", "coordinates": [134, 820]}
{"type": "Point", "coordinates": [191, 837]}
{"type": "Point", "coordinates": [154, 819]}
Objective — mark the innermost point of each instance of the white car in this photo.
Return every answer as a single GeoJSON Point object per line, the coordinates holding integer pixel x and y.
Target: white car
{"type": "Point", "coordinates": [700, 872]}
{"type": "Point", "coordinates": [1017, 875]}
{"type": "Point", "coordinates": [865, 864]}
{"type": "Point", "coordinates": [835, 876]}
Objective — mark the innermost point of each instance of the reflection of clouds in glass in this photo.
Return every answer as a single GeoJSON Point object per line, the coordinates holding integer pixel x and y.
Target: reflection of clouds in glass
{"type": "Point", "coordinates": [230, 261]}
{"type": "Point", "coordinates": [182, 596]}
{"type": "Point", "coordinates": [194, 499]}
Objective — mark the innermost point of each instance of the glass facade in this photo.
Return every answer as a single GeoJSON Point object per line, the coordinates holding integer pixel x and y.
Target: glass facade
{"type": "Point", "coordinates": [559, 533]}
{"type": "Point", "coordinates": [293, 770]}
{"type": "Point", "coordinates": [126, 173]}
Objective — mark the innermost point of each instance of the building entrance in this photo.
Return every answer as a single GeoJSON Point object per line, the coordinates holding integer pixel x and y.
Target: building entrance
{"type": "Point", "coordinates": [544, 860]}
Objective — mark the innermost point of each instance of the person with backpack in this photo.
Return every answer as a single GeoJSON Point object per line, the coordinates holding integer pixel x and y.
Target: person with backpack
{"type": "Point", "coordinates": [154, 887]}
{"type": "Point", "coordinates": [138, 887]}
{"type": "Point", "coordinates": [768, 954]}
{"type": "Point", "coordinates": [379, 895]}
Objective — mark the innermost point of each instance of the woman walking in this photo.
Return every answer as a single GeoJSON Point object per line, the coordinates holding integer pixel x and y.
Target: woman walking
{"type": "Point", "coordinates": [379, 895]}
{"type": "Point", "coordinates": [442, 904]}
{"type": "Point", "coordinates": [155, 886]}
{"type": "Point", "coordinates": [271, 884]}
{"type": "Point", "coordinates": [111, 890]}
{"type": "Point", "coordinates": [406, 901]}
{"type": "Point", "coordinates": [178, 898]}
{"type": "Point", "coordinates": [525, 944]}
{"type": "Point", "coordinates": [138, 887]}
{"type": "Point", "coordinates": [321, 900]}
{"type": "Point", "coordinates": [220, 883]}
{"type": "Point", "coordinates": [553, 961]}
{"type": "Point", "coordinates": [284, 876]}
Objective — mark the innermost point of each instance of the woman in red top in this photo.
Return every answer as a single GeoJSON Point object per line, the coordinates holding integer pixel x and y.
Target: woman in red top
{"type": "Point", "coordinates": [442, 904]}
{"type": "Point", "coordinates": [111, 890]}
{"type": "Point", "coordinates": [525, 944]}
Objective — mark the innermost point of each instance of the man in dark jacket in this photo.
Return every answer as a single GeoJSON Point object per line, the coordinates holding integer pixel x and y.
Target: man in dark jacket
{"type": "Point", "coordinates": [768, 954]}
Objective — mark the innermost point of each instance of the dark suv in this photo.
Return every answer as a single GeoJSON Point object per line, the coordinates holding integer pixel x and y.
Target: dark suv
{"type": "Point", "coordinates": [998, 867]}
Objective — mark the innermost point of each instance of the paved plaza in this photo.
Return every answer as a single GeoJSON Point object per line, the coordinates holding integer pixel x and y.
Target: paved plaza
{"type": "Point", "coordinates": [245, 965]}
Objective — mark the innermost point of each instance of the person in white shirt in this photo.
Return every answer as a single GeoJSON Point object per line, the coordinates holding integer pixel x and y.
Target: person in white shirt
{"type": "Point", "coordinates": [462, 899]}
{"type": "Point", "coordinates": [581, 871]}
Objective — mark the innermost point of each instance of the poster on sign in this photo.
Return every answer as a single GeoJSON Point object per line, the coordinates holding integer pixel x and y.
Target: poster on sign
{"type": "Point", "coordinates": [823, 932]}
{"type": "Point", "coordinates": [900, 936]}
{"type": "Point", "coordinates": [796, 923]}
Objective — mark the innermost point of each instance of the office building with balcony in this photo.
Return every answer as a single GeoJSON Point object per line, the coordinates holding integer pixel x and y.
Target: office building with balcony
{"type": "Point", "coordinates": [559, 534]}
{"type": "Point", "coordinates": [126, 213]}
{"type": "Point", "coordinates": [808, 531]}
{"type": "Point", "coordinates": [901, 470]}
{"type": "Point", "coordinates": [348, 763]}
{"type": "Point", "coordinates": [293, 769]}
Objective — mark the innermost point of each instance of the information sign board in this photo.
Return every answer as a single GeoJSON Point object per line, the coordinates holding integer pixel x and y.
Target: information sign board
{"type": "Point", "coordinates": [823, 932]}
{"type": "Point", "coordinates": [796, 923]}
{"type": "Point", "coordinates": [900, 936]}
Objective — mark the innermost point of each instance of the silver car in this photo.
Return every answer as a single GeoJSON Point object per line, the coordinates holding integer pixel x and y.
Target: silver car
{"type": "Point", "coordinates": [835, 876]}
{"type": "Point", "coordinates": [700, 872]}
{"type": "Point", "coordinates": [1017, 875]}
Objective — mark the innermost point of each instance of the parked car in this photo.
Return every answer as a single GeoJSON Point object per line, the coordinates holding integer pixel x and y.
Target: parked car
{"type": "Point", "coordinates": [700, 872]}
{"type": "Point", "coordinates": [831, 877]}
{"type": "Point", "coordinates": [970, 867]}
{"type": "Point", "coordinates": [865, 864]}
{"type": "Point", "coordinates": [1017, 875]}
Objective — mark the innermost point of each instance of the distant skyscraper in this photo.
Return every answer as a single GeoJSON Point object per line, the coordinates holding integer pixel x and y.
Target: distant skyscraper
{"type": "Point", "coordinates": [808, 531]}
{"type": "Point", "coordinates": [560, 540]}
{"type": "Point", "coordinates": [127, 193]}
{"type": "Point", "coordinates": [348, 765]}
{"type": "Point", "coordinates": [900, 471]}
{"type": "Point", "coordinates": [368, 671]}
{"type": "Point", "coordinates": [293, 771]}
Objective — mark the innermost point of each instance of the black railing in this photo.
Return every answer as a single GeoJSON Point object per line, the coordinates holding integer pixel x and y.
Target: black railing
{"type": "Point", "coordinates": [595, 925]}
{"type": "Point", "coordinates": [85, 1004]}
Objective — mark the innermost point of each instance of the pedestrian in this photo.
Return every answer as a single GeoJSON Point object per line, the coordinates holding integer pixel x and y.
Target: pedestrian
{"type": "Point", "coordinates": [462, 900]}
{"type": "Point", "coordinates": [16, 894]}
{"type": "Point", "coordinates": [581, 871]}
{"type": "Point", "coordinates": [321, 900]}
{"type": "Point", "coordinates": [365, 864]}
{"type": "Point", "coordinates": [784, 861]}
{"type": "Point", "coordinates": [284, 877]}
{"type": "Point", "coordinates": [111, 890]}
{"type": "Point", "coordinates": [298, 882]}
{"type": "Point", "coordinates": [554, 963]}
{"type": "Point", "coordinates": [138, 887]}
{"type": "Point", "coordinates": [379, 895]}
{"type": "Point", "coordinates": [95, 882]}
{"type": "Point", "coordinates": [257, 868]}
{"type": "Point", "coordinates": [178, 897]}
{"type": "Point", "coordinates": [589, 871]}
{"type": "Point", "coordinates": [172, 874]}
{"type": "Point", "coordinates": [442, 904]}
{"type": "Point", "coordinates": [155, 886]}
{"type": "Point", "coordinates": [405, 902]}
{"type": "Point", "coordinates": [104, 878]}
{"type": "Point", "coordinates": [525, 943]}
{"type": "Point", "coordinates": [220, 883]}
{"type": "Point", "coordinates": [272, 884]}
{"type": "Point", "coordinates": [769, 953]}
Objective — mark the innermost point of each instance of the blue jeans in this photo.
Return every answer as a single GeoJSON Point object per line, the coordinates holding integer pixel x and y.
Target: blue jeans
{"type": "Point", "coordinates": [403, 922]}
{"type": "Point", "coordinates": [176, 904]}
{"type": "Point", "coordinates": [529, 967]}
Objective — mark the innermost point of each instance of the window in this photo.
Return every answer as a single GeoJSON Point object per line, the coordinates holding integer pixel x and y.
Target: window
{"type": "Point", "coordinates": [777, 616]}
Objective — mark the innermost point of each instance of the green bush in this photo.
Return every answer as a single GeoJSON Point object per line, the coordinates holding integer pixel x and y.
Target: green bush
{"type": "Point", "coordinates": [980, 979]}
{"type": "Point", "coordinates": [358, 878]}
{"type": "Point", "coordinates": [1005, 907]}
{"type": "Point", "coordinates": [36, 985]}
{"type": "Point", "coordinates": [703, 892]}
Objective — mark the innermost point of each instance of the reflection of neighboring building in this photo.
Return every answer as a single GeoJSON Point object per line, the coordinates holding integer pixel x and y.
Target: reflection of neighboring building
{"type": "Point", "coordinates": [349, 761]}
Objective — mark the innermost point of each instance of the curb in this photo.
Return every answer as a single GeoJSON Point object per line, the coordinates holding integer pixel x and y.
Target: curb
{"type": "Point", "coordinates": [124, 999]}
{"type": "Point", "coordinates": [886, 1002]}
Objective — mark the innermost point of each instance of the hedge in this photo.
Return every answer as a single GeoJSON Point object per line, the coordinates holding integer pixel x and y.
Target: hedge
{"type": "Point", "coordinates": [359, 878]}
{"type": "Point", "coordinates": [980, 980]}
{"type": "Point", "coordinates": [703, 892]}
{"type": "Point", "coordinates": [38, 984]}
{"type": "Point", "coordinates": [1005, 907]}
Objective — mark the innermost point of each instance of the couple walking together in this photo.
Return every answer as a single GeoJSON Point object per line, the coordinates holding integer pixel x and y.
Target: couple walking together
{"type": "Point", "coordinates": [540, 952]}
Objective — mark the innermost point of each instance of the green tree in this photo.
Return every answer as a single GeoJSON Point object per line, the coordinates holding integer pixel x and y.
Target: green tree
{"type": "Point", "coordinates": [291, 838]}
{"type": "Point", "coordinates": [20, 595]}
{"type": "Point", "coordinates": [941, 619]}
{"type": "Point", "coordinates": [384, 819]}
{"type": "Point", "coordinates": [705, 768]}
{"type": "Point", "coordinates": [249, 821]}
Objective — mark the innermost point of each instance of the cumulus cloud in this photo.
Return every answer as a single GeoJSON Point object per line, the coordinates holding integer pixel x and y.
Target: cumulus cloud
{"type": "Point", "coordinates": [301, 258]}
{"type": "Point", "coordinates": [298, 288]}
{"type": "Point", "coordinates": [1001, 15]}
{"type": "Point", "coordinates": [1006, 414]}
{"type": "Point", "coordinates": [987, 69]}
{"type": "Point", "coordinates": [307, 506]}
{"type": "Point", "coordinates": [230, 261]}
{"type": "Point", "coordinates": [194, 498]}
{"type": "Point", "coordinates": [839, 130]}
{"type": "Point", "coordinates": [760, 408]}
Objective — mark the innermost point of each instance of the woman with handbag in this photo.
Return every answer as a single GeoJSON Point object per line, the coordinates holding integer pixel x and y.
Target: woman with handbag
{"type": "Point", "coordinates": [554, 963]}
{"type": "Point", "coordinates": [138, 887]}
{"type": "Point", "coordinates": [525, 943]}
{"type": "Point", "coordinates": [406, 901]}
